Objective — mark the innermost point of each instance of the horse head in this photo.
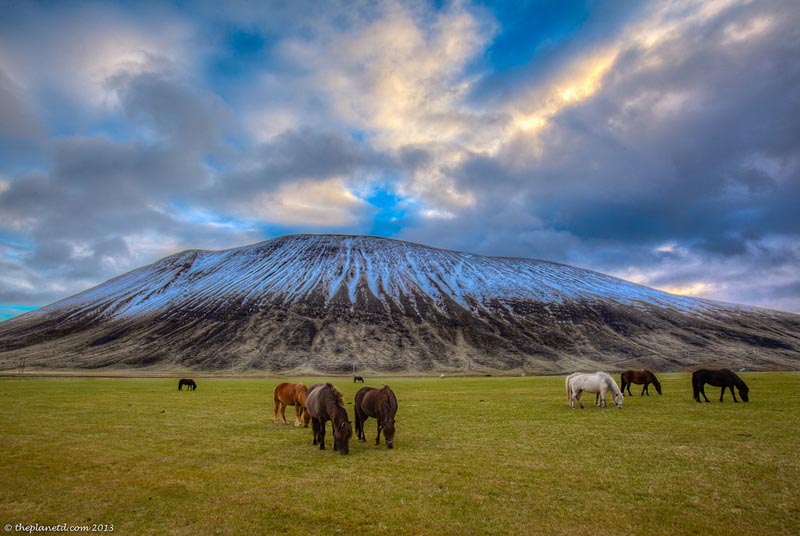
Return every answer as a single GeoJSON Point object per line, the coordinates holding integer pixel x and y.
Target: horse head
{"type": "Point", "coordinates": [618, 398]}
{"type": "Point", "coordinates": [342, 433]}
{"type": "Point", "coordinates": [388, 431]}
{"type": "Point", "coordinates": [743, 391]}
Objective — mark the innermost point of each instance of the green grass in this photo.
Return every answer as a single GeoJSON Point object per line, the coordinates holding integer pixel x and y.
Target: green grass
{"type": "Point", "coordinates": [472, 456]}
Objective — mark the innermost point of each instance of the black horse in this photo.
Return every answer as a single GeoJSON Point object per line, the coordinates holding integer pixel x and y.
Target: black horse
{"type": "Point", "coordinates": [718, 378]}
{"type": "Point", "coordinates": [358, 379]}
{"type": "Point", "coordinates": [189, 383]}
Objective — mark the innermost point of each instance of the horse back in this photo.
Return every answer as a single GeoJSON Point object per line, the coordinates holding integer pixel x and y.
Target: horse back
{"type": "Point", "coordinates": [313, 399]}
{"type": "Point", "coordinates": [717, 378]}
{"type": "Point", "coordinates": [366, 401]}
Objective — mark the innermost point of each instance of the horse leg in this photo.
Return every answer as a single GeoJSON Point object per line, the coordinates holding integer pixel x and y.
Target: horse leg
{"type": "Point", "coordinates": [578, 398]}
{"type": "Point", "coordinates": [298, 412]}
{"type": "Point", "coordinates": [645, 390]}
{"type": "Point", "coordinates": [363, 419]}
{"type": "Point", "coordinates": [315, 430]}
{"type": "Point", "coordinates": [322, 435]}
{"type": "Point", "coordinates": [283, 413]}
{"type": "Point", "coordinates": [602, 395]}
{"type": "Point", "coordinates": [359, 423]}
{"type": "Point", "coordinates": [703, 392]}
{"type": "Point", "coordinates": [733, 393]}
{"type": "Point", "coordinates": [722, 393]}
{"type": "Point", "coordinates": [276, 411]}
{"type": "Point", "coordinates": [380, 427]}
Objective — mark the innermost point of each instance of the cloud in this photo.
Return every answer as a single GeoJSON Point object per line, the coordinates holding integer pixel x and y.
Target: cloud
{"type": "Point", "coordinates": [327, 204]}
{"type": "Point", "coordinates": [654, 140]}
{"type": "Point", "coordinates": [174, 113]}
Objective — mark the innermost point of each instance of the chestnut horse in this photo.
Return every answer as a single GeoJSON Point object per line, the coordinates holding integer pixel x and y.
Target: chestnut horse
{"type": "Point", "coordinates": [718, 378]}
{"type": "Point", "coordinates": [324, 403]}
{"type": "Point", "coordinates": [639, 377]}
{"type": "Point", "coordinates": [291, 394]}
{"type": "Point", "coordinates": [380, 404]}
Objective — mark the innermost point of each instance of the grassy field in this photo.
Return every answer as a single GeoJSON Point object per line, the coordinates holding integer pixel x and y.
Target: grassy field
{"type": "Point", "coordinates": [472, 456]}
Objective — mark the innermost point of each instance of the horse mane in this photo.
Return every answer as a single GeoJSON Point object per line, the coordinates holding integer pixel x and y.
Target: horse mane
{"type": "Point", "coordinates": [610, 383]}
{"type": "Point", "coordinates": [338, 403]}
{"type": "Point", "coordinates": [654, 379]}
{"type": "Point", "coordinates": [738, 381]}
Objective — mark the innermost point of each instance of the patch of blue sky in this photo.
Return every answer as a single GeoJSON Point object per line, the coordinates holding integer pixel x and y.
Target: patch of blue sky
{"type": "Point", "coordinates": [185, 212]}
{"type": "Point", "coordinates": [526, 27]}
{"type": "Point", "coordinates": [391, 211]}
{"type": "Point", "coordinates": [14, 245]}
{"type": "Point", "coordinates": [10, 311]}
{"type": "Point", "coordinates": [241, 54]}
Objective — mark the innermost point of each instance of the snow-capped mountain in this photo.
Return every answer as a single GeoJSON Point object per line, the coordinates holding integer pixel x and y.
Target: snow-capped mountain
{"type": "Point", "coordinates": [331, 302]}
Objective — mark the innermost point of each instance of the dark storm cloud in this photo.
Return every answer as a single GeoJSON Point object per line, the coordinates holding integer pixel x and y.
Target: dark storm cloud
{"type": "Point", "coordinates": [185, 118]}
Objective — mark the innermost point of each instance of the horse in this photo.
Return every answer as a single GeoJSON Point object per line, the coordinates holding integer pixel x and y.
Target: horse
{"type": "Point", "coordinates": [599, 383]}
{"type": "Point", "coordinates": [358, 379]}
{"type": "Point", "coordinates": [718, 378]}
{"type": "Point", "coordinates": [639, 377]}
{"type": "Point", "coordinates": [380, 404]}
{"type": "Point", "coordinates": [291, 394]}
{"type": "Point", "coordinates": [189, 383]}
{"type": "Point", "coordinates": [324, 403]}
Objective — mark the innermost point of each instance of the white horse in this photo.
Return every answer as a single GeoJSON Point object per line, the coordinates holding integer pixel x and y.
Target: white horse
{"type": "Point", "coordinates": [599, 383]}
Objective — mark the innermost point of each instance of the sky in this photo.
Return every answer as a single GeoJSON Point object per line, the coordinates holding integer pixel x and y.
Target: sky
{"type": "Point", "coordinates": [656, 141]}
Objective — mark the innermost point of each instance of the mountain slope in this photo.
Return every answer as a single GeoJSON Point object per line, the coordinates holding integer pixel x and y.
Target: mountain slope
{"type": "Point", "coordinates": [325, 302]}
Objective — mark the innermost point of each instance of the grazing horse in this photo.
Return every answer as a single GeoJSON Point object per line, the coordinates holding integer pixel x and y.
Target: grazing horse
{"type": "Point", "coordinates": [291, 394]}
{"type": "Point", "coordinates": [639, 377]}
{"type": "Point", "coordinates": [324, 403]}
{"type": "Point", "coordinates": [599, 383]}
{"type": "Point", "coordinates": [189, 383]}
{"type": "Point", "coordinates": [718, 378]}
{"type": "Point", "coordinates": [358, 379]}
{"type": "Point", "coordinates": [380, 404]}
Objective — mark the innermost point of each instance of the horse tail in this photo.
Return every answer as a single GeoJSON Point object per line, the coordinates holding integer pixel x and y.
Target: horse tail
{"type": "Point", "coordinates": [568, 386]}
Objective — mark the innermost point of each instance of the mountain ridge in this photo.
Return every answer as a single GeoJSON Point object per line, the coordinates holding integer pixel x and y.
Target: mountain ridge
{"type": "Point", "coordinates": [330, 302]}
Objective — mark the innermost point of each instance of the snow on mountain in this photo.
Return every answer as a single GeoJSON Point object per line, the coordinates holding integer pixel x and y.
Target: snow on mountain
{"type": "Point", "coordinates": [325, 302]}
{"type": "Point", "coordinates": [292, 268]}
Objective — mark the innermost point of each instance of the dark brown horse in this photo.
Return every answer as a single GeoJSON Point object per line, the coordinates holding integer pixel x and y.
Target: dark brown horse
{"type": "Point", "coordinates": [380, 404]}
{"type": "Point", "coordinates": [291, 394]}
{"type": "Point", "coordinates": [324, 403]}
{"type": "Point", "coordinates": [718, 378]}
{"type": "Point", "coordinates": [639, 377]}
{"type": "Point", "coordinates": [189, 383]}
{"type": "Point", "coordinates": [358, 379]}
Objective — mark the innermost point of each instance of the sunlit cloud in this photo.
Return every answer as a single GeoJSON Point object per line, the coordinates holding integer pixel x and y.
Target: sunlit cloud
{"type": "Point", "coordinates": [326, 204]}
